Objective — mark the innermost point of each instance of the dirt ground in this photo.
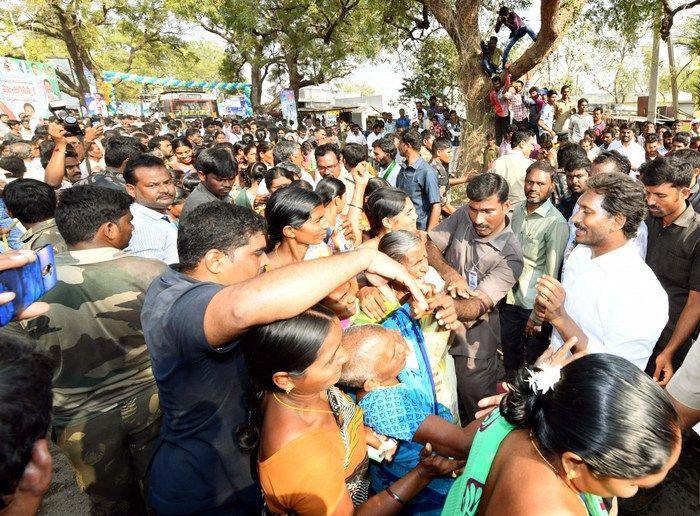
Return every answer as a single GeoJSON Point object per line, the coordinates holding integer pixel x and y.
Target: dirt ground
{"type": "Point", "coordinates": [63, 497]}
{"type": "Point", "coordinates": [680, 495]}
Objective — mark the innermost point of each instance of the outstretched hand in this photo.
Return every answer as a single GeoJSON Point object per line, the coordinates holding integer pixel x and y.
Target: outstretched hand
{"type": "Point", "coordinates": [382, 269]}
{"type": "Point", "coordinates": [551, 357]}
{"type": "Point", "coordinates": [560, 357]}
{"type": "Point", "coordinates": [434, 465]}
{"type": "Point", "coordinates": [15, 260]}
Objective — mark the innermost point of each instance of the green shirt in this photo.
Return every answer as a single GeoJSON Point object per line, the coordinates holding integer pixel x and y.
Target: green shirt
{"type": "Point", "coordinates": [93, 331]}
{"type": "Point", "coordinates": [42, 234]}
{"type": "Point", "coordinates": [542, 235]}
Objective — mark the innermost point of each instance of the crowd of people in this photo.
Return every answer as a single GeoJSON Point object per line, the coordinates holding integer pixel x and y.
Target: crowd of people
{"type": "Point", "coordinates": [249, 316]}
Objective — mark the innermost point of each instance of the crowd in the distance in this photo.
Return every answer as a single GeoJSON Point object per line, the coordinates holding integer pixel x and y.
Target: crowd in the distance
{"type": "Point", "coordinates": [248, 315]}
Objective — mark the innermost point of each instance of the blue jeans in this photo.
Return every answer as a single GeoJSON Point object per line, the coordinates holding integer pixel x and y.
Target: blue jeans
{"type": "Point", "coordinates": [488, 66]}
{"type": "Point", "coordinates": [514, 37]}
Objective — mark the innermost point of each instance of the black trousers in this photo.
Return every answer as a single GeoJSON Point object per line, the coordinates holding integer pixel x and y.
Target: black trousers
{"type": "Point", "coordinates": [476, 379]}
{"type": "Point", "coordinates": [501, 124]}
{"type": "Point", "coordinates": [523, 125]}
{"type": "Point", "coordinates": [517, 347]}
{"type": "Point", "coordinates": [678, 358]}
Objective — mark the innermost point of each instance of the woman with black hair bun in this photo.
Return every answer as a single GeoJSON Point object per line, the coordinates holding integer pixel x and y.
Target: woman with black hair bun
{"type": "Point", "coordinates": [564, 439]}
{"type": "Point", "coordinates": [296, 227]}
{"type": "Point", "coordinates": [388, 209]}
{"type": "Point", "coordinates": [251, 177]}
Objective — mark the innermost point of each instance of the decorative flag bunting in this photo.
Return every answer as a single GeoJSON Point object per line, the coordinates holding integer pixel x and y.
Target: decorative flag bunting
{"type": "Point", "coordinates": [169, 82]}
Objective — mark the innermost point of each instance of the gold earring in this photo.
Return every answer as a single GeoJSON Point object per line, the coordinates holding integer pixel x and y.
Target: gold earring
{"type": "Point", "coordinates": [571, 474]}
{"type": "Point", "coordinates": [288, 388]}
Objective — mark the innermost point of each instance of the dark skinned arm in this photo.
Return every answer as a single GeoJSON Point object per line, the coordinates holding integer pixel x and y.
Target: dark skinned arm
{"type": "Point", "coordinates": [469, 305]}
{"type": "Point", "coordinates": [448, 439]}
{"type": "Point", "coordinates": [408, 486]}
{"type": "Point", "coordinates": [287, 291]}
{"type": "Point", "coordinates": [434, 217]}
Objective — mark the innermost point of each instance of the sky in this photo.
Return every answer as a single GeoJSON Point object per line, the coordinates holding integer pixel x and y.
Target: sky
{"type": "Point", "coordinates": [386, 72]}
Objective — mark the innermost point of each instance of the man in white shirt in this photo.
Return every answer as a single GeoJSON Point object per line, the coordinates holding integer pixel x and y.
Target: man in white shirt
{"type": "Point", "coordinates": [513, 166]}
{"type": "Point", "coordinates": [236, 133]}
{"type": "Point", "coordinates": [580, 122]}
{"type": "Point", "coordinates": [25, 130]}
{"type": "Point", "coordinates": [23, 150]}
{"type": "Point", "coordinates": [389, 123]}
{"type": "Point", "coordinates": [151, 186]}
{"type": "Point", "coordinates": [628, 147]}
{"type": "Point", "coordinates": [609, 299]}
{"type": "Point", "coordinates": [355, 135]}
{"type": "Point", "coordinates": [377, 132]}
{"type": "Point", "coordinates": [546, 120]}
{"type": "Point", "coordinates": [609, 162]}
{"type": "Point", "coordinates": [384, 151]}
{"type": "Point", "coordinates": [95, 155]}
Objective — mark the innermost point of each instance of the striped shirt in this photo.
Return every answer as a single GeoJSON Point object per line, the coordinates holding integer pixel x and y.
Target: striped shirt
{"type": "Point", "coordinates": [154, 236]}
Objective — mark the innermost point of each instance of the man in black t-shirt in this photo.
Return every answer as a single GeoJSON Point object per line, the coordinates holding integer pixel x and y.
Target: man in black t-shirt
{"type": "Point", "coordinates": [192, 318]}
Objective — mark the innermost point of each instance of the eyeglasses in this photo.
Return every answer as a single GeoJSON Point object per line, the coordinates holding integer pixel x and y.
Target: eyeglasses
{"type": "Point", "coordinates": [327, 167]}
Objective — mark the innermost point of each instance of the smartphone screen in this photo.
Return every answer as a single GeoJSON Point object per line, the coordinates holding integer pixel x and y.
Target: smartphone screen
{"type": "Point", "coordinates": [28, 283]}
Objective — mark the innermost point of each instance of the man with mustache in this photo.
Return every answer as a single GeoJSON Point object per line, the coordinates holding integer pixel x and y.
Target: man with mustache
{"type": "Point", "coordinates": [673, 253]}
{"type": "Point", "coordinates": [152, 188]}
{"type": "Point", "coordinates": [608, 297]}
{"type": "Point", "coordinates": [542, 232]}
{"type": "Point", "coordinates": [479, 257]}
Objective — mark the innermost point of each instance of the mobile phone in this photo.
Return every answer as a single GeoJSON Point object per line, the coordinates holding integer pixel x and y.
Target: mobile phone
{"type": "Point", "coordinates": [29, 283]}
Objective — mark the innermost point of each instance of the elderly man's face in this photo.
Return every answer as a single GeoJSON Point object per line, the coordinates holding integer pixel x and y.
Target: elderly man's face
{"type": "Point", "coordinates": [391, 357]}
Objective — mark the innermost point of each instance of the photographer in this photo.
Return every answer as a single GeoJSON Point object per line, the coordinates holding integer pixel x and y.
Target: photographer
{"type": "Point", "coordinates": [64, 142]}
{"type": "Point", "coordinates": [63, 134]}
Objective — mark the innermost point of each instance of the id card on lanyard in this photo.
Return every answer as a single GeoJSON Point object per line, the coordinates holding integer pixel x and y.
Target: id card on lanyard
{"type": "Point", "coordinates": [472, 279]}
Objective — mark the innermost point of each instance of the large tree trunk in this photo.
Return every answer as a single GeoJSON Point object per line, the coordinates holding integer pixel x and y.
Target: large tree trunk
{"type": "Point", "coordinates": [296, 80]}
{"type": "Point", "coordinates": [79, 57]}
{"type": "Point", "coordinates": [462, 25]}
{"type": "Point", "coordinates": [256, 81]}
{"type": "Point", "coordinates": [475, 86]}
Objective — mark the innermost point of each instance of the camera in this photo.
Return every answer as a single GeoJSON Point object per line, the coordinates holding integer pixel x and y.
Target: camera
{"type": "Point", "coordinates": [69, 122]}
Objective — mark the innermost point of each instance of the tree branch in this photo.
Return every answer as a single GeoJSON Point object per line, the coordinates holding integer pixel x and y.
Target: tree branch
{"type": "Point", "coordinates": [670, 13]}
{"type": "Point", "coordinates": [556, 16]}
{"type": "Point", "coordinates": [445, 16]}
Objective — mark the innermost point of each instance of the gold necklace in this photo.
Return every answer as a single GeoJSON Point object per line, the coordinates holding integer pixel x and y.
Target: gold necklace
{"type": "Point", "coordinates": [274, 395]}
{"type": "Point", "coordinates": [578, 495]}
{"type": "Point", "coordinates": [543, 457]}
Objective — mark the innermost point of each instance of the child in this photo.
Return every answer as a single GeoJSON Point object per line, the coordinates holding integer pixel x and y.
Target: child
{"type": "Point", "coordinates": [175, 207]}
{"type": "Point", "coordinates": [490, 152]}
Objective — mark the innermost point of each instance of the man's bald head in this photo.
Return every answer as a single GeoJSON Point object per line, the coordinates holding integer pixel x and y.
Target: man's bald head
{"type": "Point", "coordinates": [361, 344]}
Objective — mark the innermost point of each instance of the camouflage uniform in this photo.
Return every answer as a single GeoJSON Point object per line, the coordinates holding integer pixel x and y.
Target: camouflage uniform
{"type": "Point", "coordinates": [42, 234]}
{"type": "Point", "coordinates": [106, 414]}
{"type": "Point", "coordinates": [109, 178]}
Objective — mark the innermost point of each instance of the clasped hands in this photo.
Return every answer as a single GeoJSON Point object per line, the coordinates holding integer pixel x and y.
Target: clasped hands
{"type": "Point", "coordinates": [372, 303]}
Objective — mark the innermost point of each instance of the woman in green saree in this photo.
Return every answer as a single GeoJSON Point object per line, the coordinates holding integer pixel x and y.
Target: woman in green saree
{"type": "Point", "coordinates": [564, 439]}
